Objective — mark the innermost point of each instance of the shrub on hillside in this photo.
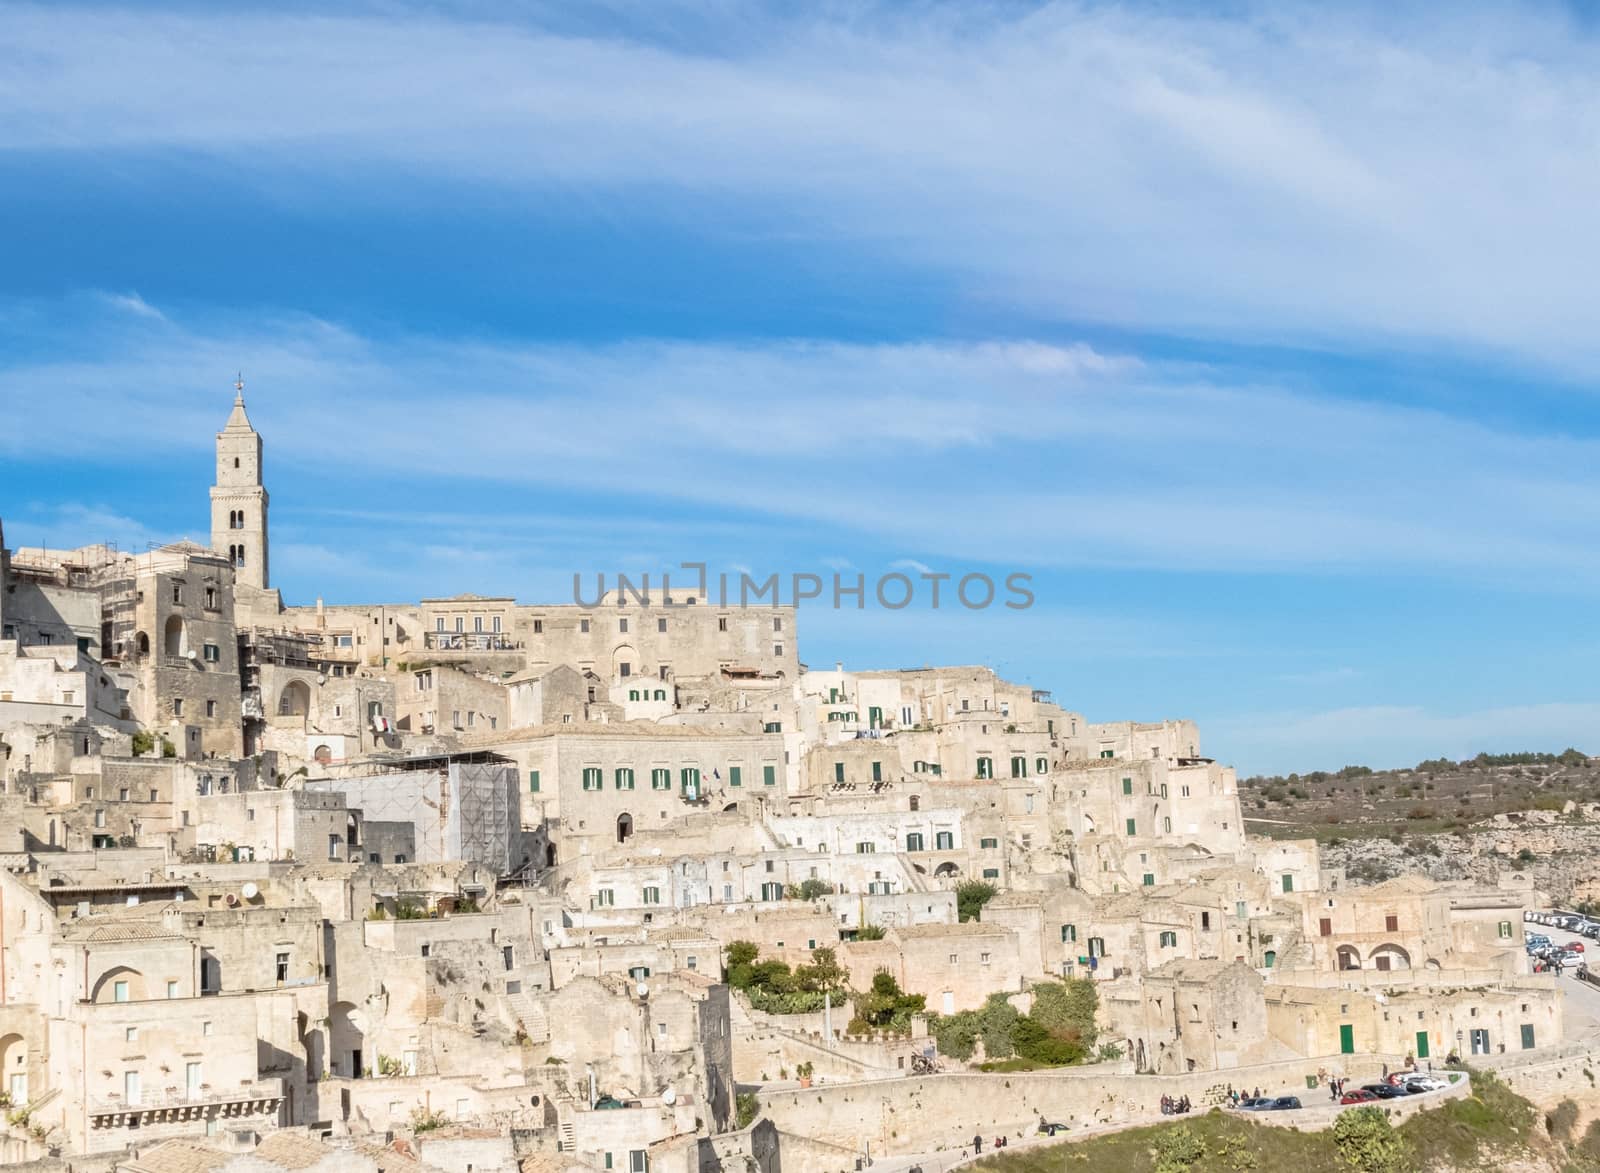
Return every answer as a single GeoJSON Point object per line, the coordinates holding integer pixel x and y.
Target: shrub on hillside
{"type": "Point", "coordinates": [1367, 1142]}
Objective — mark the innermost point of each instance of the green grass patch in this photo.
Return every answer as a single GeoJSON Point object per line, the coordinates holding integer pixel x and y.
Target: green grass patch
{"type": "Point", "coordinates": [1468, 1132]}
{"type": "Point", "coordinates": [1230, 1144]}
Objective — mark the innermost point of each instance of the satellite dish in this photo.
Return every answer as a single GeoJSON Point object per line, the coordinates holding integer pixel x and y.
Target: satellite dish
{"type": "Point", "coordinates": [191, 654]}
{"type": "Point", "coordinates": [642, 990]}
{"type": "Point", "coordinates": [250, 891]}
{"type": "Point", "coordinates": [669, 1097]}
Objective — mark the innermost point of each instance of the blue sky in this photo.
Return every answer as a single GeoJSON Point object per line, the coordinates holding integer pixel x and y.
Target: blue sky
{"type": "Point", "coordinates": [1262, 338]}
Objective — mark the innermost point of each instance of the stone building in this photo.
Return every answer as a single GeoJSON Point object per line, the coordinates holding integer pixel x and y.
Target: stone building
{"type": "Point", "coordinates": [462, 807]}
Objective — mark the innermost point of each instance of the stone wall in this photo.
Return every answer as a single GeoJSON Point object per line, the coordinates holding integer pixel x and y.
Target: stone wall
{"type": "Point", "coordinates": [920, 1114]}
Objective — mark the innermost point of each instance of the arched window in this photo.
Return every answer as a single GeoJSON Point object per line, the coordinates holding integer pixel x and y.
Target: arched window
{"type": "Point", "coordinates": [121, 984]}
{"type": "Point", "coordinates": [238, 556]}
{"type": "Point", "coordinates": [294, 700]}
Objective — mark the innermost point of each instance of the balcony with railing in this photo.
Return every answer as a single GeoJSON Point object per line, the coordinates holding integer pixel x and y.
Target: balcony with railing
{"type": "Point", "coordinates": [469, 641]}
{"type": "Point", "coordinates": [258, 1098]}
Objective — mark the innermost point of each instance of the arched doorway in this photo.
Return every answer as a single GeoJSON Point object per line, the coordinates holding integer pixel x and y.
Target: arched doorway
{"type": "Point", "coordinates": [144, 643]}
{"type": "Point", "coordinates": [947, 870]}
{"type": "Point", "coordinates": [624, 659]}
{"type": "Point", "coordinates": [323, 755]}
{"type": "Point", "coordinates": [1348, 958]}
{"type": "Point", "coordinates": [1390, 957]}
{"type": "Point", "coordinates": [624, 827]}
{"type": "Point", "coordinates": [732, 806]}
{"type": "Point", "coordinates": [14, 1069]}
{"type": "Point", "coordinates": [174, 641]}
{"type": "Point", "coordinates": [550, 855]}
{"type": "Point", "coordinates": [347, 1031]}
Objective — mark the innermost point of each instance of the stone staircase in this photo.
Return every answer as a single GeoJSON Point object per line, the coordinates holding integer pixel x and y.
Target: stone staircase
{"type": "Point", "coordinates": [530, 1011]}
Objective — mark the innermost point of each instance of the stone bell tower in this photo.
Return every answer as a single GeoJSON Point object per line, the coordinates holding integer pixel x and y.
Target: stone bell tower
{"type": "Point", "coordinates": [238, 499]}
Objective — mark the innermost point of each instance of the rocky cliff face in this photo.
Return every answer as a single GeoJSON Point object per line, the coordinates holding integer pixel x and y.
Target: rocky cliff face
{"type": "Point", "coordinates": [1556, 853]}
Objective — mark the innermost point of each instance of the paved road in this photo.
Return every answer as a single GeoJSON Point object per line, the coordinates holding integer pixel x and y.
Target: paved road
{"type": "Point", "coordinates": [1580, 1002]}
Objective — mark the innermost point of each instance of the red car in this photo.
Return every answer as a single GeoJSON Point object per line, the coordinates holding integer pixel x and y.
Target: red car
{"type": "Point", "coordinates": [1358, 1096]}
{"type": "Point", "coordinates": [1577, 946]}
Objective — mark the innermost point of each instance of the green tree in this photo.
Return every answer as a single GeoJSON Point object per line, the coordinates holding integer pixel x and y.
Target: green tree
{"type": "Point", "coordinates": [741, 963]}
{"type": "Point", "coordinates": [956, 1034]}
{"type": "Point", "coordinates": [971, 896]}
{"type": "Point", "coordinates": [823, 974]}
{"type": "Point", "coordinates": [773, 975]}
{"type": "Point", "coordinates": [1067, 1009]}
{"type": "Point", "coordinates": [1032, 1041]}
{"type": "Point", "coordinates": [886, 1006]}
{"type": "Point", "coordinates": [995, 1021]}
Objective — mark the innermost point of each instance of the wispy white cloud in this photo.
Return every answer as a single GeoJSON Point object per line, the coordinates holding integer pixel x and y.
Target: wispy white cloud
{"type": "Point", "coordinates": [67, 525]}
{"type": "Point", "coordinates": [1297, 171]}
{"type": "Point", "coordinates": [948, 450]}
{"type": "Point", "coordinates": [132, 303]}
{"type": "Point", "coordinates": [1321, 676]}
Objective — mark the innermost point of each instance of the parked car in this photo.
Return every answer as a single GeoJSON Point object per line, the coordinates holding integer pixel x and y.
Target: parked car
{"type": "Point", "coordinates": [1282, 1104]}
{"type": "Point", "coordinates": [1384, 1091]}
{"type": "Point", "coordinates": [1575, 946]}
{"type": "Point", "coordinates": [1050, 1128]}
{"type": "Point", "coordinates": [1418, 1084]}
{"type": "Point", "coordinates": [1360, 1096]}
